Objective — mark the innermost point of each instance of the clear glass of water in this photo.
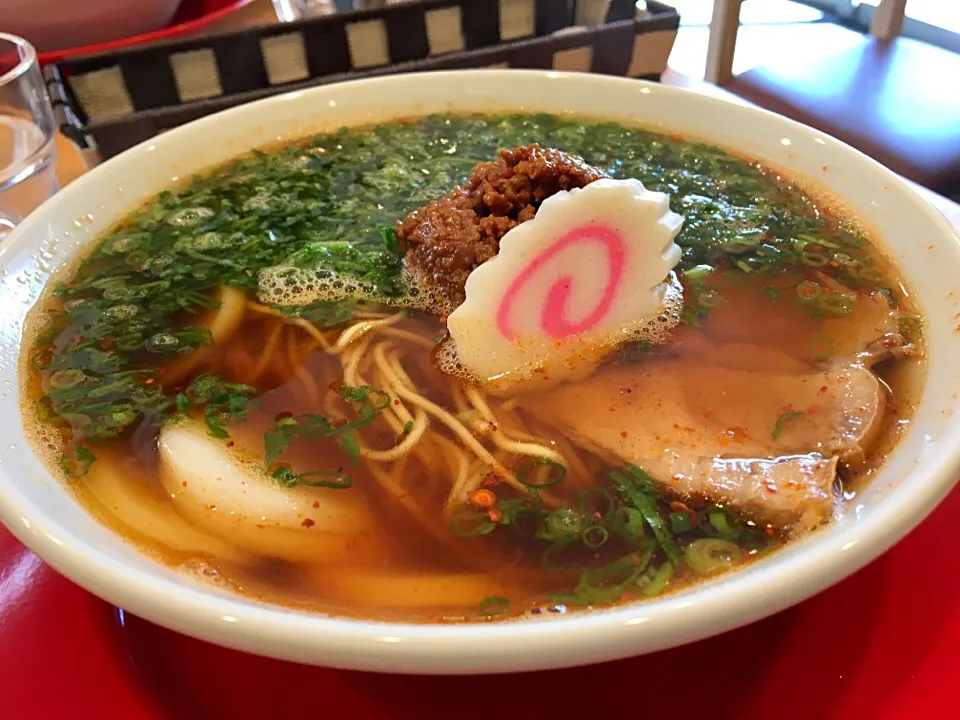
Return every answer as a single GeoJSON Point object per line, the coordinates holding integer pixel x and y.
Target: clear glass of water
{"type": "Point", "coordinates": [28, 173]}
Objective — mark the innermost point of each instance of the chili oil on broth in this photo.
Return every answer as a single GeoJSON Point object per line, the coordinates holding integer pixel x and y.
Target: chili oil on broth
{"type": "Point", "coordinates": [265, 208]}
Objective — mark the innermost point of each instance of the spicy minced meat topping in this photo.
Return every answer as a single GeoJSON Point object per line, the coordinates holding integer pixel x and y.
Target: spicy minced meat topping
{"type": "Point", "coordinates": [444, 241]}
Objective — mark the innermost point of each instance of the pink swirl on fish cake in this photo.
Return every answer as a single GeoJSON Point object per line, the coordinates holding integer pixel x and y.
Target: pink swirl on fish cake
{"type": "Point", "coordinates": [552, 313]}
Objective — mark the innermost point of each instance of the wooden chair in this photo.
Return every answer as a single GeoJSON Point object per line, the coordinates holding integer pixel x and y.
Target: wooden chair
{"type": "Point", "coordinates": [891, 97]}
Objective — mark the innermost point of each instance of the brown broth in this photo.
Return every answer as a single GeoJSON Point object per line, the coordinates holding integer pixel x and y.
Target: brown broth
{"type": "Point", "coordinates": [509, 570]}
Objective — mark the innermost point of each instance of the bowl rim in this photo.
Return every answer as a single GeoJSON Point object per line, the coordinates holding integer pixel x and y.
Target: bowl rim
{"type": "Point", "coordinates": [523, 644]}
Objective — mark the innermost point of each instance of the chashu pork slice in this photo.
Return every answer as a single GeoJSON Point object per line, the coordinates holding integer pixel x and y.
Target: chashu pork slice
{"type": "Point", "coordinates": [766, 442]}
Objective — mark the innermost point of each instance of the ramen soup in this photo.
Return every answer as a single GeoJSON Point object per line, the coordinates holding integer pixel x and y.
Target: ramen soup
{"type": "Point", "coordinates": [396, 373]}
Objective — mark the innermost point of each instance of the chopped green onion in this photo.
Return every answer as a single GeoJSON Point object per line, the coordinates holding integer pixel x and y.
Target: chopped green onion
{"type": "Point", "coordinates": [289, 478]}
{"type": "Point", "coordinates": [814, 259]}
{"type": "Point", "coordinates": [494, 606]}
{"type": "Point", "coordinates": [721, 524]}
{"type": "Point", "coordinates": [630, 525]}
{"type": "Point", "coordinates": [743, 266]}
{"type": "Point", "coordinates": [350, 446]}
{"type": "Point", "coordinates": [680, 522]}
{"type": "Point", "coordinates": [517, 512]}
{"type": "Point", "coordinates": [740, 245]}
{"type": "Point", "coordinates": [835, 303]}
{"type": "Point", "coordinates": [808, 290]}
{"type": "Point", "coordinates": [340, 481]}
{"type": "Point", "coordinates": [772, 292]}
{"type": "Point", "coordinates": [782, 420]}
{"type": "Point", "coordinates": [698, 272]}
{"type": "Point", "coordinates": [596, 503]}
{"type": "Point", "coordinates": [606, 584]}
{"type": "Point", "coordinates": [660, 530]}
{"type": "Point", "coordinates": [709, 555]}
{"type": "Point", "coordinates": [595, 536]}
{"type": "Point", "coordinates": [562, 523]}
{"type": "Point", "coordinates": [552, 478]}
{"type": "Point", "coordinates": [390, 239]}
{"type": "Point", "coordinates": [872, 276]}
{"type": "Point", "coordinates": [66, 378]}
{"type": "Point", "coordinates": [77, 464]}
{"type": "Point", "coordinates": [818, 241]}
{"type": "Point", "coordinates": [659, 581]}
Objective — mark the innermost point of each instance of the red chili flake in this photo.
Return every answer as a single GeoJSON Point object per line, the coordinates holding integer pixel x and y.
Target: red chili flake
{"type": "Point", "coordinates": [316, 504]}
{"type": "Point", "coordinates": [183, 484]}
{"type": "Point", "coordinates": [229, 443]}
{"type": "Point", "coordinates": [308, 523]}
{"type": "Point", "coordinates": [771, 487]}
{"type": "Point", "coordinates": [823, 388]}
{"type": "Point", "coordinates": [260, 527]}
{"type": "Point", "coordinates": [283, 416]}
{"type": "Point", "coordinates": [443, 319]}
{"type": "Point", "coordinates": [625, 391]}
{"type": "Point", "coordinates": [623, 433]}
{"type": "Point", "coordinates": [336, 385]}
{"type": "Point", "coordinates": [812, 410]}
{"type": "Point", "coordinates": [106, 344]}
{"type": "Point", "coordinates": [495, 515]}
{"type": "Point", "coordinates": [482, 498]}
{"type": "Point", "coordinates": [738, 434]}
{"type": "Point", "coordinates": [396, 401]}
{"type": "Point", "coordinates": [708, 414]}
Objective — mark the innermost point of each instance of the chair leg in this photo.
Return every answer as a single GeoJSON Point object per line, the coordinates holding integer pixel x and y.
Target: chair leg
{"type": "Point", "coordinates": [887, 20]}
{"type": "Point", "coordinates": [723, 41]}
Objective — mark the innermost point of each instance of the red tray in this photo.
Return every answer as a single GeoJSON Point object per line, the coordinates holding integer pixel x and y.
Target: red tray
{"type": "Point", "coordinates": [883, 644]}
{"type": "Point", "coordinates": [193, 16]}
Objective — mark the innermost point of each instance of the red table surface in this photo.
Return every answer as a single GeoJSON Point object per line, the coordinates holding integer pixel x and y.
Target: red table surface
{"type": "Point", "coordinates": [883, 644]}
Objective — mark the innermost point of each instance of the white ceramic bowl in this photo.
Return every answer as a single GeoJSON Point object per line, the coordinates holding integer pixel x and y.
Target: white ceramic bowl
{"type": "Point", "coordinates": [921, 471]}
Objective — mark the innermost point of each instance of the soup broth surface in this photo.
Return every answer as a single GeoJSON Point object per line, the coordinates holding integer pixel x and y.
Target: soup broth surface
{"type": "Point", "coordinates": [374, 500]}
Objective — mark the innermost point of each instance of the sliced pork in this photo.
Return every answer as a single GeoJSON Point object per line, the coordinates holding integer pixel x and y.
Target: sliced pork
{"type": "Point", "coordinates": [766, 442]}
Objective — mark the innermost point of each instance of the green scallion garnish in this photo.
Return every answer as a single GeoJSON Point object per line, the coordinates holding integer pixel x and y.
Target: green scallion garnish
{"type": "Point", "coordinates": [557, 473]}
{"type": "Point", "coordinates": [782, 421]}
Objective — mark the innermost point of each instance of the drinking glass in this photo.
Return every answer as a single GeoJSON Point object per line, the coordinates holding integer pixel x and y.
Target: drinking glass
{"type": "Point", "coordinates": [27, 134]}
